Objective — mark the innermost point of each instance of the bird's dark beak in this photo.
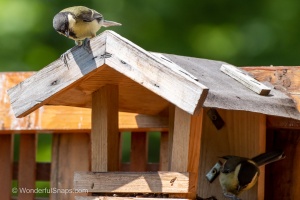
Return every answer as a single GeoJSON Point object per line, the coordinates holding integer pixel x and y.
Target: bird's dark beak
{"type": "Point", "coordinates": [67, 33]}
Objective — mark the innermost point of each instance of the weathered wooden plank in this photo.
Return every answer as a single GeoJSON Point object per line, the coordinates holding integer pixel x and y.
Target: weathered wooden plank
{"type": "Point", "coordinates": [139, 152]}
{"type": "Point", "coordinates": [154, 74]}
{"type": "Point", "coordinates": [245, 79]}
{"type": "Point", "coordinates": [70, 153]}
{"type": "Point", "coordinates": [135, 182]}
{"type": "Point", "coordinates": [246, 138]}
{"type": "Point", "coordinates": [56, 77]}
{"type": "Point", "coordinates": [123, 198]}
{"type": "Point", "coordinates": [164, 151]}
{"type": "Point", "coordinates": [284, 78]}
{"type": "Point", "coordinates": [105, 135]}
{"type": "Point", "coordinates": [58, 84]}
{"type": "Point", "coordinates": [27, 165]}
{"type": "Point", "coordinates": [6, 168]}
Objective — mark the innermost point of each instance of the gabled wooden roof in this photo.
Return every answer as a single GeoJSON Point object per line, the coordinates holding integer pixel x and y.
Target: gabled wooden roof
{"type": "Point", "coordinates": [147, 82]}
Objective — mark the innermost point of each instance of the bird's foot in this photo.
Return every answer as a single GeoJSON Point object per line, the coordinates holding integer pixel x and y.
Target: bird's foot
{"type": "Point", "coordinates": [231, 196]}
{"type": "Point", "coordinates": [87, 45]}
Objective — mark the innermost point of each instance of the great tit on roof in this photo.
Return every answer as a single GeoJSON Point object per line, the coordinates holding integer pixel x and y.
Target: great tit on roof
{"type": "Point", "coordinates": [79, 23]}
{"type": "Point", "coordinates": [239, 174]}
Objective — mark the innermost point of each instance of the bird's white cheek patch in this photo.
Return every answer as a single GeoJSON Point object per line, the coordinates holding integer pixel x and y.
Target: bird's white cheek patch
{"type": "Point", "coordinates": [71, 21]}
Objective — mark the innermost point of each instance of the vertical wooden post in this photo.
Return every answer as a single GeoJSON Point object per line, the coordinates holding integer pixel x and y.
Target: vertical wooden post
{"type": "Point", "coordinates": [27, 165]}
{"type": "Point", "coordinates": [70, 153]}
{"type": "Point", "coordinates": [139, 151]}
{"type": "Point", "coordinates": [163, 155]}
{"type": "Point", "coordinates": [105, 138]}
{"type": "Point", "coordinates": [6, 167]}
{"type": "Point", "coordinates": [185, 146]}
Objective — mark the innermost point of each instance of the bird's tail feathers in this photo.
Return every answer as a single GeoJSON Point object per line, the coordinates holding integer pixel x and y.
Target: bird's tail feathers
{"type": "Point", "coordinates": [268, 157]}
{"type": "Point", "coordinates": [107, 23]}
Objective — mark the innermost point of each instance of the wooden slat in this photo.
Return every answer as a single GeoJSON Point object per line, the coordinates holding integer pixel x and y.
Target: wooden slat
{"type": "Point", "coordinates": [139, 152]}
{"type": "Point", "coordinates": [27, 165]}
{"type": "Point", "coordinates": [135, 182]}
{"type": "Point", "coordinates": [124, 198]}
{"type": "Point", "coordinates": [244, 134]}
{"type": "Point", "coordinates": [163, 153]}
{"type": "Point", "coordinates": [105, 135]}
{"type": "Point", "coordinates": [42, 171]}
{"type": "Point", "coordinates": [57, 84]}
{"type": "Point", "coordinates": [151, 167]}
{"type": "Point", "coordinates": [245, 79]}
{"type": "Point", "coordinates": [6, 160]}
{"type": "Point", "coordinates": [70, 153]}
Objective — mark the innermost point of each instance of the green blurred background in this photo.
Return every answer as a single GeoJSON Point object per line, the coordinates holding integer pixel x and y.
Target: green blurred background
{"type": "Point", "coordinates": [242, 33]}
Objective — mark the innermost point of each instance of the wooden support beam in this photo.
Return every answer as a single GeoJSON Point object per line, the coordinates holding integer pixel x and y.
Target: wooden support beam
{"type": "Point", "coordinates": [6, 166]}
{"type": "Point", "coordinates": [164, 152]}
{"type": "Point", "coordinates": [185, 145]}
{"type": "Point", "coordinates": [245, 79]}
{"type": "Point", "coordinates": [105, 135]}
{"type": "Point", "coordinates": [132, 182]}
{"type": "Point", "coordinates": [274, 122]}
{"type": "Point", "coordinates": [27, 165]}
{"type": "Point", "coordinates": [139, 152]}
{"type": "Point", "coordinates": [70, 153]}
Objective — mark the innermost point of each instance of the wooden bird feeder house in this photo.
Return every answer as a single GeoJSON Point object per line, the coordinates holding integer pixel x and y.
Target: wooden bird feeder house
{"type": "Point", "coordinates": [204, 113]}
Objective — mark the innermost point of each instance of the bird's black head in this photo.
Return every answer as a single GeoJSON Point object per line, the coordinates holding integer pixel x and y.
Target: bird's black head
{"type": "Point", "coordinates": [61, 23]}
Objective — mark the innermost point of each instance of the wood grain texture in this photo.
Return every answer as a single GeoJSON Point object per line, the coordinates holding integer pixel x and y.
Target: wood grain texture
{"type": "Point", "coordinates": [6, 167]}
{"type": "Point", "coordinates": [164, 151]}
{"type": "Point", "coordinates": [57, 84]}
{"type": "Point", "coordinates": [274, 122]}
{"type": "Point", "coordinates": [52, 118]}
{"type": "Point", "coordinates": [155, 74]}
{"type": "Point", "coordinates": [180, 141]}
{"type": "Point", "coordinates": [194, 151]}
{"type": "Point", "coordinates": [244, 134]}
{"type": "Point", "coordinates": [124, 198]}
{"type": "Point", "coordinates": [70, 153]}
{"type": "Point", "coordinates": [105, 137]}
{"type": "Point", "coordinates": [284, 78]}
{"type": "Point", "coordinates": [283, 177]}
{"type": "Point", "coordinates": [139, 152]}
{"type": "Point", "coordinates": [135, 182]}
{"type": "Point", "coordinates": [27, 165]}
{"type": "Point", "coordinates": [245, 79]}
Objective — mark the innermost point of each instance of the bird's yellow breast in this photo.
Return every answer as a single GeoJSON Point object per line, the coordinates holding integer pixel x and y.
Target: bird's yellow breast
{"type": "Point", "coordinates": [83, 29]}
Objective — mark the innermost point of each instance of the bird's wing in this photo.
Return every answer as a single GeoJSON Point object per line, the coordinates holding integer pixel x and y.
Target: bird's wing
{"type": "Point", "coordinates": [90, 15]}
{"type": "Point", "coordinates": [231, 163]}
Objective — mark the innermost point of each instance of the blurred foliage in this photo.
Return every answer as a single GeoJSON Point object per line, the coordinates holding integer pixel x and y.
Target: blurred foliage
{"type": "Point", "coordinates": [239, 32]}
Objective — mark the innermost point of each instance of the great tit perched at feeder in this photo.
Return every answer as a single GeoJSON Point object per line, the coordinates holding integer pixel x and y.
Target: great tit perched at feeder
{"type": "Point", "coordinates": [80, 23]}
{"type": "Point", "coordinates": [239, 174]}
